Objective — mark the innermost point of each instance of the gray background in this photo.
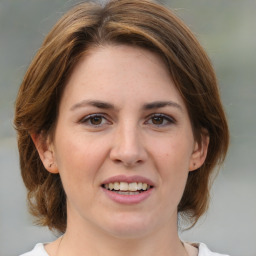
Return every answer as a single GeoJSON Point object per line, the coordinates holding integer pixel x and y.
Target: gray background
{"type": "Point", "coordinates": [227, 29]}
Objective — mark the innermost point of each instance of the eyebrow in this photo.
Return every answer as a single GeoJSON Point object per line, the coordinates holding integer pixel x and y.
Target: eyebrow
{"type": "Point", "coordinates": [161, 104]}
{"type": "Point", "coordinates": [94, 103]}
{"type": "Point", "coordinates": [106, 105]}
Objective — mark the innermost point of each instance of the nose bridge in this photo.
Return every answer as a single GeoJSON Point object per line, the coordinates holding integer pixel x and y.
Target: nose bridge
{"type": "Point", "coordinates": [127, 145]}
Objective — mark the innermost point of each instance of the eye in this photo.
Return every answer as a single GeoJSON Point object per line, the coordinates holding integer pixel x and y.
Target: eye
{"type": "Point", "coordinates": [94, 120]}
{"type": "Point", "coordinates": [160, 120]}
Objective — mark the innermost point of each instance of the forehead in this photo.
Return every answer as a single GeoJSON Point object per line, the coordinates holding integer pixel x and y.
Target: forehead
{"type": "Point", "coordinates": [120, 73]}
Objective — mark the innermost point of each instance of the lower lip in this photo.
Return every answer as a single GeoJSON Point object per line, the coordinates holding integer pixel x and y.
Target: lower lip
{"type": "Point", "coordinates": [128, 199]}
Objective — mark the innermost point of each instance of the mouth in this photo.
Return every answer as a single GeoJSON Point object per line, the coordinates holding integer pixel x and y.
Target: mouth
{"type": "Point", "coordinates": [126, 188]}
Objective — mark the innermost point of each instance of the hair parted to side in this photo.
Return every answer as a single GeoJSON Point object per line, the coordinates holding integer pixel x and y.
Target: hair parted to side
{"type": "Point", "coordinates": [139, 23]}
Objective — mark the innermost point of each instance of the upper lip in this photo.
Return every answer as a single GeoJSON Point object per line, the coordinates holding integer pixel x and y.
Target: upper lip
{"type": "Point", "coordinates": [128, 179]}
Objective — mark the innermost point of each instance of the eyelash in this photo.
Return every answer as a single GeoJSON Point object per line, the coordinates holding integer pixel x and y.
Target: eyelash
{"type": "Point", "coordinates": [166, 119]}
{"type": "Point", "coordinates": [88, 119]}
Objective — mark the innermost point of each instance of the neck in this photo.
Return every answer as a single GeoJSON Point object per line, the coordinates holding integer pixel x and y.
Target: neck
{"type": "Point", "coordinates": [92, 241]}
{"type": "Point", "coordinates": [112, 246]}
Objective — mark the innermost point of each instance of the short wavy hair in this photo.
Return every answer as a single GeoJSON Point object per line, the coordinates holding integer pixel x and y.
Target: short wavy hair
{"type": "Point", "coordinates": [138, 23]}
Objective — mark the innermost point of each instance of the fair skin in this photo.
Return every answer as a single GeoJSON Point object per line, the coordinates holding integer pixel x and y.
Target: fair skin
{"type": "Point", "coordinates": [121, 114]}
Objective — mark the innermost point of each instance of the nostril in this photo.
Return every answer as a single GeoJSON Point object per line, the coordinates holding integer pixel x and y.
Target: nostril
{"type": "Point", "coordinates": [117, 161]}
{"type": "Point", "coordinates": [129, 152]}
{"type": "Point", "coordinates": [127, 163]}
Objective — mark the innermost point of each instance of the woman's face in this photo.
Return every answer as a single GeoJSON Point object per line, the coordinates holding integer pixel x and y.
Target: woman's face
{"type": "Point", "coordinates": [123, 143]}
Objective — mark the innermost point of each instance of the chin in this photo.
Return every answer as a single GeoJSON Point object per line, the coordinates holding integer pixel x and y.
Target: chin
{"type": "Point", "coordinates": [128, 226]}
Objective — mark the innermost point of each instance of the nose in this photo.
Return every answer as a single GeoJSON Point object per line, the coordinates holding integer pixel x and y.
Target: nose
{"type": "Point", "coordinates": [128, 148]}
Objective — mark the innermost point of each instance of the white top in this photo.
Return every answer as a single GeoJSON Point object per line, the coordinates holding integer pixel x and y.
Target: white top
{"type": "Point", "coordinates": [203, 251]}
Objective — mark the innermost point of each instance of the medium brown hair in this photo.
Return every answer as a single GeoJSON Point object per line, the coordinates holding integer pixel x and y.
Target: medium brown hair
{"type": "Point", "coordinates": [139, 23]}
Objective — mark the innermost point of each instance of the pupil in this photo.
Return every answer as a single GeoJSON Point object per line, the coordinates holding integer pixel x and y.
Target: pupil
{"type": "Point", "coordinates": [158, 120]}
{"type": "Point", "coordinates": [96, 120]}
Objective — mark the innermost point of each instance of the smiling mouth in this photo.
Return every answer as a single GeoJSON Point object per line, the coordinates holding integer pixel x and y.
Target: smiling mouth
{"type": "Point", "coordinates": [125, 188]}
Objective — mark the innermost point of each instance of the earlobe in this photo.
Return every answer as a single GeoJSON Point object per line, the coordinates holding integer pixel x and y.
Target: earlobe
{"type": "Point", "coordinates": [199, 153]}
{"type": "Point", "coordinates": [45, 150]}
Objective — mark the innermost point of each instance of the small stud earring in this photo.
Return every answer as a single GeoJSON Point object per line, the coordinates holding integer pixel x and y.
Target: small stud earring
{"type": "Point", "coordinates": [50, 165]}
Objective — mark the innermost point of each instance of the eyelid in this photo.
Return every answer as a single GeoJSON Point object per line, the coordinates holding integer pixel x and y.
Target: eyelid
{"type": "Point", "coordinates": [86, 118]}
{"type": "Point", "coordinates": [170, 119]}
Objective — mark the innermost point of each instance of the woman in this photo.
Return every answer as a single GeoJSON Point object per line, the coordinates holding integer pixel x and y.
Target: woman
{"type": "Point", "coordinates": [120, 126]}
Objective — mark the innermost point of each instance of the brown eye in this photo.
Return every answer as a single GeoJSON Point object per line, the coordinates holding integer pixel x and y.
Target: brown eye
{"type": "Point", "coordinates": [96, 120]}
{"type": "Point", "coordinates": [157, 120]}
{"type": "Point", "coordinates": [160, 120]}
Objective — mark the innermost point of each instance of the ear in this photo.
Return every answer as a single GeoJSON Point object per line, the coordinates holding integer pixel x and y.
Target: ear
{"type": "Point", "coordinates": [200, 152]}
{"type": "Point", "coordinates": [46, 152]}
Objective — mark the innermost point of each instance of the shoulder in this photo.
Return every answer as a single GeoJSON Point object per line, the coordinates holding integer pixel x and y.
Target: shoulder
{"type": "Point", "coordinates": [37, 251]}
{"type": "Point", "coordinates": [204, 251]}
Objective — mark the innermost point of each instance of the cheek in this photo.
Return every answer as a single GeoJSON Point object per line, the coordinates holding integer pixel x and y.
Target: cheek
{"type": "Point", "coordinates": [78, 166]}
{"type": "Point", "coordinates": [173, 153]}
{"type": "Point", "coordinates": [78, 159]}
{"type": "Point", "coordinates": [171, 158]}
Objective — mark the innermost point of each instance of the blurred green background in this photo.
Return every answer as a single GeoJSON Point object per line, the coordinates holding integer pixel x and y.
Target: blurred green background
{"type": "Point", "coordinates": [227, 30]}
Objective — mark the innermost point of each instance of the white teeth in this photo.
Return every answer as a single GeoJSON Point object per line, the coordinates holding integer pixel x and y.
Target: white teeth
{"type": "Point", "coordinates": [144, 186]}
{"type": "Point", "coordinates": [127, 192]}
{"type": "Point", "coordinates": [133, 186]}
{"type": "Point", "coordinates": [139, 186]}
{"type": "Point", "coordinates": [125, 186]}
{"type": "Point", "coordinates": [110, 185]}
{"type": "Point", "coordinates": [116, 186]}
